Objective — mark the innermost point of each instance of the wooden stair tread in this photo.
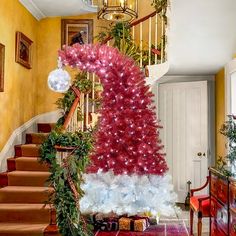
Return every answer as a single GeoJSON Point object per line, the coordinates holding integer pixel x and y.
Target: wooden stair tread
{"type": "Point", "coordinates": [28, 178]}
{"type": "Point", "coordinates": [30, 164]}
{"type": "Point", "coordinates": [26, 213]}
{"type": "Point", "coordinates": [27, 189]}
{"type": "Point", "coordinates": [25, 194]}
{"type": "Point", "coordinates": [27, 150]}
{"type": "Point", "coordinates": [22, 229]}
{"type": "Point", "coordinates": [45, 127]}
{"type": "Point", "coordinates": [29, 173]}
{"type": "Point", "coordinates": [22, 206]}
{"type": "Point", "coordinates": [36, 138]}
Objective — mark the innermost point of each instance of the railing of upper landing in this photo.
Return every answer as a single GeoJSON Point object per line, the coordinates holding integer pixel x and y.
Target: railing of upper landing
{"type": "Point", "coordinates": [148, 34]}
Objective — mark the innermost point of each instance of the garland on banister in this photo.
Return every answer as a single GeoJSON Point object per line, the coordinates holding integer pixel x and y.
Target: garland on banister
{"type": "Point", "coordinates": [66, 178]}
{"type": "Point", "coordinates": [66, 173]}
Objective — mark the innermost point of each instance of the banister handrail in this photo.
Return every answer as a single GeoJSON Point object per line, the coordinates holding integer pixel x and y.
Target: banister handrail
{"type": "Point", "coordinates": [143, 19]}
{"type": "Point", "coordinates": [73, 107]}
{"type": "Point", "coordinates": [134, 24]}
{"type": "Point", "coordinates": [155, 51]}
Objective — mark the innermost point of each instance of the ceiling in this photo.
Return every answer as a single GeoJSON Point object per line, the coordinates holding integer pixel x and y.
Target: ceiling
{"type": "Point", "coordinates": [201, 39]}
{"type": "Point", "coordinates": [49, 8]}
{"type": "Point", "coordinates": [202, 36]}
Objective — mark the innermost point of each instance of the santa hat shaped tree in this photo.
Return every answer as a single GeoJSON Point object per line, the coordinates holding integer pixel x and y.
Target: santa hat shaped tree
{"type": "Point", "coordinates": [127, 173]}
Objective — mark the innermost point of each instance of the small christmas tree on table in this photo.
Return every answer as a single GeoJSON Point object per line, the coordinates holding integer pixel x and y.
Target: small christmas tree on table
{"type": "Point", "coordinates": [128, 170]}
{"type": "Point", "coordinates": [228, 164]}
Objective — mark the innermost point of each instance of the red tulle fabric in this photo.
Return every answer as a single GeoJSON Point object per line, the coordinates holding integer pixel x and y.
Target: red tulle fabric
{"type": "Point", "coordinates": [127, 140]}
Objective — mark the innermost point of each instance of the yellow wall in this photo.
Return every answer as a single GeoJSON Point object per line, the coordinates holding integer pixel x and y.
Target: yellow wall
{"type": "Point", "coordinates": [49, 42]}
{"type": "Point", "coordinates": [17, 102]}
{"type": "Point", "coordinates": [220, 111]}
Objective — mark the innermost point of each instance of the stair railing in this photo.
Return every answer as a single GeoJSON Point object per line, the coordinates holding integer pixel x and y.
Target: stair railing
{"type": "Point", "coordinates": [155, 28]}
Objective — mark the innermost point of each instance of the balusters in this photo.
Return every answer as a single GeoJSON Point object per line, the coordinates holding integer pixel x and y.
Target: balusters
{"type": "Point", "coordinates": [149, 41]}
{"type": "Point", "coordinates": [82, 110]}
{"type": "Point", "coordinates": [87, 105]}
{"type": "Point", "coordinates": [141, 44]}
{"type": "Point", "coordinates": [156, 35]}
{"type": "Point", "coordinates": [162, 38]}
{"type": "Point", "coordinates": [93, 92]}
{"type": "Point", "coordinates": [133, 33]}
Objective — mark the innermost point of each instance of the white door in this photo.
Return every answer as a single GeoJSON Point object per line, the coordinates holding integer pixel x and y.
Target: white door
{"type": "Point", "coordinates": [183, 113]}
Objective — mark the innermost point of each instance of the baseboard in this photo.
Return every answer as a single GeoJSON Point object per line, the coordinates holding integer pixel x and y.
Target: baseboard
{"type": "Point", "coordinates": [18, 135]}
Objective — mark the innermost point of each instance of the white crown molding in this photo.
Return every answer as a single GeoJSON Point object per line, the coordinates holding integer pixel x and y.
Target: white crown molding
{"type": "Point", "coordinates": [33, 9]}
{"type": "Point", "coordinates": [88, 8]}
{"type": "Point", "coordinates": [18, 135]}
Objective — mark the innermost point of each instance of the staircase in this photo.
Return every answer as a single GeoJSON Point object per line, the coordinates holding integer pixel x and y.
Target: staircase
{"type": "Point", "coordinates": [24, 191]}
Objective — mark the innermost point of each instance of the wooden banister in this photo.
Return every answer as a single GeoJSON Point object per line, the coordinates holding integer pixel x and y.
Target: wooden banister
{"type": "Point", "coordinates": [143, 19]}
{"type": "Point", "coordinates": [73, 107]}
{"type": "Point", "coordinates": [154, 51]}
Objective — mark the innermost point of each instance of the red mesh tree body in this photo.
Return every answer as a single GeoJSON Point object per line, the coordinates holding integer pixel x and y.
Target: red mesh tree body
{"type": "Point", "coordinates": [127, 140]}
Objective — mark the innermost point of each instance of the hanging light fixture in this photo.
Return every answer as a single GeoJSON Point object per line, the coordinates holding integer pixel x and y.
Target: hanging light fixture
{"type": "Point", "coordinates": [118, 10]}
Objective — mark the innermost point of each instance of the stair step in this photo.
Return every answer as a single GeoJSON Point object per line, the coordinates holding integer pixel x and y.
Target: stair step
{"type": "Point", "coordinates": [23, 213]}
{"type": "Point", "coordinates": [11, 164]}
{"type": "Point", "coordinates": [28, 178]}
{"type": "Point", "coordinates": [45, 127]}
{"type": "Point", "coordinates": [30, 164]}
{"type": "Point", "coordinates": [36, 138]}
{"type": "Point", "coordinates": [3, 179]}
{"type": "Point", "coordinates": [25, 194]}
{"type": "Point", "coordinates": [27, 150]}
{"type": "Point", "coordinates": [13, 229]}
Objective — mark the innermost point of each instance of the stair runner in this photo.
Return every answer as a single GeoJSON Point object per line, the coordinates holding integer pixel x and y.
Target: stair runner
{"type": "Point", "coordinates": [24, 191]}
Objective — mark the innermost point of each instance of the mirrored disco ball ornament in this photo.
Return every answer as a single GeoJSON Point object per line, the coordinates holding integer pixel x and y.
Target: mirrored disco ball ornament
{"type": "Point", "coordinates": [59, 80]}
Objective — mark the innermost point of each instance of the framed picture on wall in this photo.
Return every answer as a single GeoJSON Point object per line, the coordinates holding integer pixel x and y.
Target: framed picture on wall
{"type": "Point", "coordinates": [76, 31]}
{"type": "Point", "coordinates": [2, 62]}
{"type": "Point", "coordinates": [23, 50]}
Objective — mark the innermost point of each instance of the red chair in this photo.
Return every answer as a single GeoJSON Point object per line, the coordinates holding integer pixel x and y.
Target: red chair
{"type": "Point", "coordinates": [201, 205]}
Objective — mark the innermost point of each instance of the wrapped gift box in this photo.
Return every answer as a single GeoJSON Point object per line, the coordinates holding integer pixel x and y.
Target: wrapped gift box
{"type": "Point", "coordinates": [105, 224]}
{"type": "Point", "coordinates": [133, 223]}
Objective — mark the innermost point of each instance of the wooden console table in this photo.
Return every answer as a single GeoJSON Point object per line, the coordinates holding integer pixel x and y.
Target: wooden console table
{"type": "Point", "coordinates": [223, 204]}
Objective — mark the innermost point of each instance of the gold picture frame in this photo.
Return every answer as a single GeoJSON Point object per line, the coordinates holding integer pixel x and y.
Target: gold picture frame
{"type": "Point", "coordinates": [70, 29]}
{"type": "Point", "coordinates": [2, 63]}
{"type": "Point", "coordinates": [23, 50]}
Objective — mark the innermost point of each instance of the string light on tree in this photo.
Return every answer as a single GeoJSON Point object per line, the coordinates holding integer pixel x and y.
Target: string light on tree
{"type": "Point", "coordinates": [128, 171]}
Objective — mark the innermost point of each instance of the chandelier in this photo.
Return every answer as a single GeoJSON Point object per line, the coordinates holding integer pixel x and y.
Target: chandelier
{"type": "Point", "coordinates": [118, 10]}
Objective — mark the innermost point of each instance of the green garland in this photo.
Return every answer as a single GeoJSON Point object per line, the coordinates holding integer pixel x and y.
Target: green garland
{"type": "Point", "coordinates": [69, 219]}
{"type": "Point", "coordinates": [83, 84]}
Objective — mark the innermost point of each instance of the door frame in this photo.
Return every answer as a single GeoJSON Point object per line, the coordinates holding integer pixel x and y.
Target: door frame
{"type": "Point", "coordinates": [211, 105]}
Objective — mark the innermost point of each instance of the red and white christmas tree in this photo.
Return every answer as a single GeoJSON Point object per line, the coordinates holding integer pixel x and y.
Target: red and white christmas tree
{"type": "Point", "coordinates": [128, 170]}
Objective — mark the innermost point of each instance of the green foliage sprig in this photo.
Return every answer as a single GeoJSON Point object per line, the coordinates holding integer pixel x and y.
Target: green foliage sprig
{"type": "Point", "coordinates": [83, 84]}
{"type": "Point", "coordinates": [122, 39]}
{"type": "Point", "coordinates": [120, 32]}
{"type": "Point", "coordinates": [69, 219]}
{"type": "Point", "coordinates": [228, 129]}
{"type": "Point", "coordinates": [161, 8]}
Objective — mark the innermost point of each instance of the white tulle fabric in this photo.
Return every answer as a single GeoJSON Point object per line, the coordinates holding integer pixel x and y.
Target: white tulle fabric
{"type": "Point", "coordinates": [128, 194]}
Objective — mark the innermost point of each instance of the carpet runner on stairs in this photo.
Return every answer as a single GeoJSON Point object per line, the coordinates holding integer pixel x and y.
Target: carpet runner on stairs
{"type": "Point", "coordinates": [25, 190]}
